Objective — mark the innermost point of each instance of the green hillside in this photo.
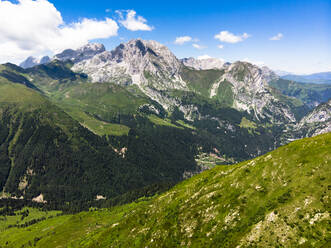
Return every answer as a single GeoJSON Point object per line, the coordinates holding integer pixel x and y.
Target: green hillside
{"type": "Point", "coordinates": [201, 81]}
{"type": "Point", "coordinates": [309, 93]}
{"type": "Point", "coordinates": [108, 109]}
{"type": "Point", "coordinates": [44, 151]}
{"type": "Point", "coordinates": [97, 107]}
{"type": "Point", "coordinates": [281, 199]}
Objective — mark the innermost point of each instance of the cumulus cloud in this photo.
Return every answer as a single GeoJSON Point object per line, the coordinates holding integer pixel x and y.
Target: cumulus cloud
{"type": "Point", "coordinates": [277, 37]}
{"type": "Point", "coordinates": [43, 30]}
{"type": "Point", "coordinates": [197, 46]}
{"type": "Point", "coordinates": [226, 36]}
{"type": "Point", "coordinates": [133, 22]}
{"type": "Point", "coordinates": [220, 46]}
{"type": "Point", "coordinates": [182, 39]}
{"type": "Point", "coordinates": [204, 57]}
{"type": "Point", "coordinates": [78, 33]}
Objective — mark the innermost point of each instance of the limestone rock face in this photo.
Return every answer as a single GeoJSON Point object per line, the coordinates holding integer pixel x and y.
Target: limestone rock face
{"type": "Point", "coordinates": [252, 93]}
{"type": "Point", "coordinates": [156, 71]}
{"type": "Point", "coordinates": [320, 114]}
{"type": "Point", "coordinates": [204, 64]}
{"type": "Point", "coordinates": [135, 62]}
{"type": "Point", "coordinates": [318, 121]}
{"type": "Point", "coordinates": [148, 64]}
{"type": "Point", "coordinates": [154, 68]}
{"type": "Point", "coordinates": [86, 52]}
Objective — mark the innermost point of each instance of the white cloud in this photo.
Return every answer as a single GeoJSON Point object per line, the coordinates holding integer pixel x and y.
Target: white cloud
{"type": "Point", "coordinates": [43, 31]}
{"type": "Point", "coordinates": [226, 36]}
{"type": "Point", "coordinates": [182, 39]}
{"type": "Point", "coordinates": [220, 46]}
{"type": "Point", "coordinates": [277, 37]}
{"type": "Point", "coordinates": [76, 34]}
{"type": "Point", "coordinates": [204, 57]}
{"type": "Point", "coordinates": [197, 46]}
{"type": "Point", "coordinates": [133, 22]}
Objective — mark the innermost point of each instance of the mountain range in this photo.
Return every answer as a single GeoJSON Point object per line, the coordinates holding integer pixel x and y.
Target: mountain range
{"type": "Point", "coordinates": [318, 78]}
{"type": "Point", "coordinates": [136, 148]}
{"type": "Point", "coordinates": [137, 118]}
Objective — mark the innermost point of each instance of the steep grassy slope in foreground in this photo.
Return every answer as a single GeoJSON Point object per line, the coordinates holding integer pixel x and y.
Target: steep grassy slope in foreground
{"type": "Point", "coordinates": [281, 199]}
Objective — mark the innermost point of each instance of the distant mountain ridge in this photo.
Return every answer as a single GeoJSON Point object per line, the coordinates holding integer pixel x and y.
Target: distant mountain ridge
{"type": "Point", "coordinates": [158, 73]}
{"type": "Point", "coordinates": [85, 52]}
{"type": "Point", "coordinates": [154, 68]}
{"type": "Point", "coordinates": [318, 78]}
{"type": "Point", "coordinates": [32, 61]}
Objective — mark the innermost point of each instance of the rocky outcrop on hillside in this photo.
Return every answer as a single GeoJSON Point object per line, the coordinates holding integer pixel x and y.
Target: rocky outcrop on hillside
{"type": "Point", "coordinates": [316, 122]}
{"type": "Point", "coordinates": [252, 93]}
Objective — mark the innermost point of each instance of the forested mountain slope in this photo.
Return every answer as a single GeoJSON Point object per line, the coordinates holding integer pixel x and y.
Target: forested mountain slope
{"type": "Point", "coordinates": [44, 152]}
{"type": "Point", "coordinates": [310, 94]}
{"type": "Point", "coordinates": [279, 199]}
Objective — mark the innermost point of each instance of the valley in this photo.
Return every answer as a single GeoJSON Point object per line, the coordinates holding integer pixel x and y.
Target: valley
{"type": "Point", "coordinates": [112, 148]}
{"type": "Point", "coordinates": [158, 127]}
{"type": "Point", "coordinates": [278, 199]}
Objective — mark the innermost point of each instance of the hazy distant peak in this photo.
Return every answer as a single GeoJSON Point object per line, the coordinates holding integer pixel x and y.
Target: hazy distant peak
{"type": "Point", "coordinates": [85, 52]}
{"type": "Point", "coordinates": [33, 61]}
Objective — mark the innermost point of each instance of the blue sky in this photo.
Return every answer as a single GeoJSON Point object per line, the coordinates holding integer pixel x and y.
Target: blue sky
{"type": "Point", "coordinates": [304, 44]}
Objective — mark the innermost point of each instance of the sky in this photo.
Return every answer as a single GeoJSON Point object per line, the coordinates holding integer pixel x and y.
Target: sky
{"type": "Point", "coordinates": [291, 35]}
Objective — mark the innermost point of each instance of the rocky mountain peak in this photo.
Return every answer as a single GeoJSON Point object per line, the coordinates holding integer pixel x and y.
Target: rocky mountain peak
{"type": "Point", "coordinates": [92, 47]}
{"type": "Point", "coordinates": [269, 74]}
{"type": "Point", "coordinates": [257, 77]}
{"type": "Point", "coordinates": [85, 52]}
{"type": "Point", "coordinates": [32, 61]}
{"type": "Point", "coordinates": [316, 122]}
{"type": "Point", "coordinates": [204, 64]}
{"type": "Point", "coordinates": [245, 74]}
{"type": "Point", "coordinates": [321, 113]}
{"type": "Point", "coordinates": [252, 93]}
{"type": "Point", "coordinates": [29, 62]}
{"type": "Point", "coordinates": [139, 49]}
{"type": "Point", "coordinates": [138, 61]}
{"type": "Point", "coordinates": [155, 70]}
